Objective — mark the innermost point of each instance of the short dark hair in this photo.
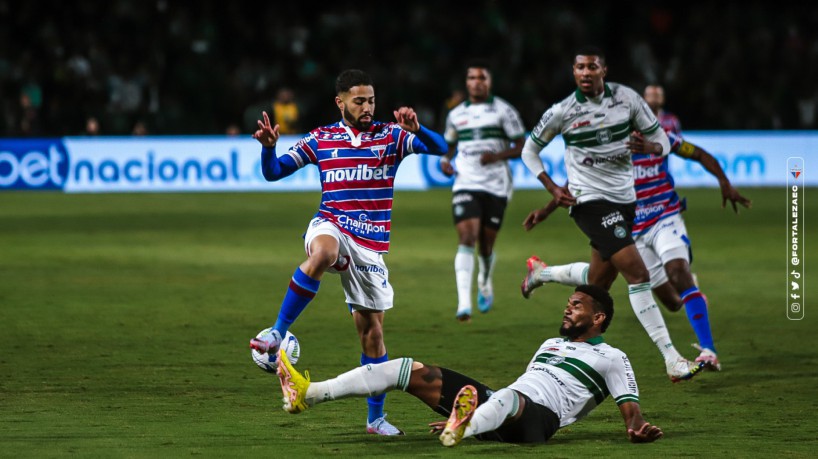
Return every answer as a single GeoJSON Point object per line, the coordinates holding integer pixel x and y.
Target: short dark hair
{"type": "Point", "coordinates": [602, 299]}
{"type": "Point", "coordinates": [589, 50]}
{"type": "Point", "coordinates": [477, 63]}
{"type": "Point", "coordinates": [351, 77]}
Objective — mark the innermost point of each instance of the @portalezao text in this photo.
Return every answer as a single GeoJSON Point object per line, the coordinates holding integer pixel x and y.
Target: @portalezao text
{"type": "Point", "coordinates": [795, 238]}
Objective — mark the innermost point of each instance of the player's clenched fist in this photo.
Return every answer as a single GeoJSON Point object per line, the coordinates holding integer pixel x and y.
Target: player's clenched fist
{"type": "Point", "coordinates": [407, 119]}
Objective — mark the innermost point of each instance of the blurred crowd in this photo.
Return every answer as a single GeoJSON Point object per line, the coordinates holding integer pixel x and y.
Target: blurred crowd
{"type": "Point", "coordinates": [127, 67]}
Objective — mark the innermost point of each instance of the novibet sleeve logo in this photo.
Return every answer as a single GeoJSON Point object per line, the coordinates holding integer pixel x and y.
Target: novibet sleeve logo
{"type": "Point", "coordinates": [33, 164]}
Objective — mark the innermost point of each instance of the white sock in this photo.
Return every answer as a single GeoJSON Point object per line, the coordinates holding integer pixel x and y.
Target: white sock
{"type": "Point", "coordinates": [364, 381]}
{"type": "Point", "coordinates": [463, 273]}
{"type": "Point", "coordinates": [570, 274]}
{"type": "Point", "coordinates": [649, 315]}
{"type": "Point", "coordinates": [502, 405]}
{"type": "Point", "coordinates": [486, 268]}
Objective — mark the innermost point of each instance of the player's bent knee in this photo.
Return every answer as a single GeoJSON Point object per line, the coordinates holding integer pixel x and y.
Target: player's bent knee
{"type": "Point", "coordinates": [636, 276]}
{"type": "Point", "coordinates": [321, 257]}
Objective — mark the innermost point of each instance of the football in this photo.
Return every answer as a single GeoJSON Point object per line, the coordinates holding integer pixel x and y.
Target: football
{"type": "Point", "coordinates": [268, 362]}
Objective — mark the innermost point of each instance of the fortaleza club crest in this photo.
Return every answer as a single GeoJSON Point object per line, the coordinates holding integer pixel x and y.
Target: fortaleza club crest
{"type": "Point", "coordinates": [795, 171]}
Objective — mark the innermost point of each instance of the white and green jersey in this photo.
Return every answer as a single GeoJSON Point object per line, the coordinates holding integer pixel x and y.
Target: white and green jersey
{"type": "Point", "coordinates": [595, 130]}
{"type": "Point", "coordinates": [572, 378]}
{"type": "Point", "coordinates": [487, 127]}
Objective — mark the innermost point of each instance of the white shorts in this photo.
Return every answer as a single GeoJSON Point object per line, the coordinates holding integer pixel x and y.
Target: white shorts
{"type": "Point", "coordinates": [666, 240]}
{"type": "Point", "coordinates": [363, 272]}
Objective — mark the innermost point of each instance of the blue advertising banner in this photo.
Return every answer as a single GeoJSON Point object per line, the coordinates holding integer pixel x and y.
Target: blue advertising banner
{"type": "Point", "coordinates": [217, 163]}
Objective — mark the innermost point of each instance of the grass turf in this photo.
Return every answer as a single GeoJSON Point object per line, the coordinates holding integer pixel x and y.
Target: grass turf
{"type": "Point", "coordinates": [126, 317]}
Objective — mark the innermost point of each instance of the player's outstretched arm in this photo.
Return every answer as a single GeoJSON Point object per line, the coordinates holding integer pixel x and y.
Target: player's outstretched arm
{"type": "Point", "coordinates": [638, 144]}
{"type": "Point", "coordinates": [433, 143]}
{"type": "Point", "coordinates": [446, 160]}
{"type": "Point", "coordinates": [639, 430]}
{"type": "Point", "coordinates": [712, 165]}
{"type": "Point", "coordinates": [272, 167]}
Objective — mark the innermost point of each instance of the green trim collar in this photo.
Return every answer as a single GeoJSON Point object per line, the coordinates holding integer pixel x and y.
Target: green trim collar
{"type": "Point", "coordinates": [595, 340]}
{"type": "Point", "coordinates": [582, 99]}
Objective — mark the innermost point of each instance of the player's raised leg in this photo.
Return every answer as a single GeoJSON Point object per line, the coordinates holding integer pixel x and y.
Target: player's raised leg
{"type": "Point", "coordinates": [539, 273]}
{"type": "Point", "coordinates": [323, 252]}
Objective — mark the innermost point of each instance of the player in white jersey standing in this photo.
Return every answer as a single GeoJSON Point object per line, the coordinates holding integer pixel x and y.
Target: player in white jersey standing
{"type": "Point", "coordinates": [483, 132]}
{"type": "Point", "coordinates": [596, 122]}
{"type": "Point", "coordinates": [565, 379]}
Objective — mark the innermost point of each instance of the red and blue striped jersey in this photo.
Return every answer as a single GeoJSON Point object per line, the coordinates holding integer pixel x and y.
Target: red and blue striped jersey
{"type": "Point", "coordinates": [670, 122]}
{"type": "Point", "coordinates": [357, 171]}
{"type": "Point", "coordinates": [656, 197]}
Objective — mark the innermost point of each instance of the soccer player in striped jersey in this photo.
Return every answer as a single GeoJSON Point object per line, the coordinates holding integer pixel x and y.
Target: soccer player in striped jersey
{"type": "Point", "coordinates": [659, 231]}
{"type": "Point", "coordinates": [357, 159]}
{"type": "Point", "coordinates": [566, 378]}
{"type": "Point", "coordinates": [662, 240]}
{"type": "Point", "coordinates": [595, 122]}
{"type": "Point", "coordinates": [483, 132]}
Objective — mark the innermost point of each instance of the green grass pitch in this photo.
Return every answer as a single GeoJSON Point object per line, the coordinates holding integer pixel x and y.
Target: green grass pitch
{"type": "Point", "coordinates": [125, 320]}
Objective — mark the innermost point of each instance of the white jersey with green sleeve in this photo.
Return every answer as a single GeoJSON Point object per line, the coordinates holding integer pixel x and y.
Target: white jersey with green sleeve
{"type": "Point", "coordinates": [595, 130]}
{"type": "Point", "coordinates": [573, 378]}
{"type": "Point", "coordinates": [487, 127]}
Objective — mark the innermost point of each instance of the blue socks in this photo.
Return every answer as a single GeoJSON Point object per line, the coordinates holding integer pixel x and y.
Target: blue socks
{"type": "Point", "coordinates": [301, 291]}
{"type": "Point", "coordinates": [375, 403]}
{"type": "Point", "coordinates": [696, 309]}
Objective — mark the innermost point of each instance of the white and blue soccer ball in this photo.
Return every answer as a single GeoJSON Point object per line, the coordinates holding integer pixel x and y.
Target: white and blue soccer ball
{"type": "Point", "coordinates": [269, 363]}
